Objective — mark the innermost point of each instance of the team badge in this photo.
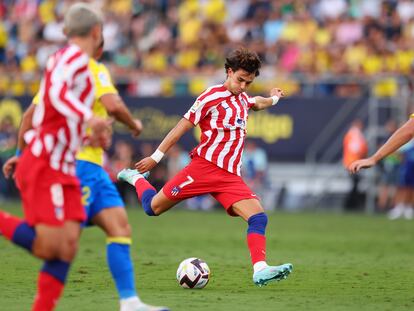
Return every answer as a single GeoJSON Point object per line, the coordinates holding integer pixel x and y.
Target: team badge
{"type": "Point", "coordinates": [103, 79]}
{"type": "Point", "coordinates": [175, 190]}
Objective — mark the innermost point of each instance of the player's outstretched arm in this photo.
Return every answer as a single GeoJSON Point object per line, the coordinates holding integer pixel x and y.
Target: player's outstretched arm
{"type": "Point", "coordinates": [116, 108]}
{"type": "Point", "coordinates": [26, 124]}
{"type": "Point", "coordinates": [266, 102]}
{"type": "Point", "coordinates": [172, 137]}
{"type": "Point", "coordinates": [403, 135]}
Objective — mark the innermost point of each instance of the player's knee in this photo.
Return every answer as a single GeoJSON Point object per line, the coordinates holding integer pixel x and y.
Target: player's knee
{"type": "Point", "coordinates": [257, 223]}
{"type": "Point", "coordinates": [69, 248]}
{"type": "Point", "coordinates": [45, 249]}
{"type": "Point", "coordinates": [157, 209]}
{"type": "Point", "coordinates": [119, 229]}
{"type": "Point", "coordinates": [44, 252]}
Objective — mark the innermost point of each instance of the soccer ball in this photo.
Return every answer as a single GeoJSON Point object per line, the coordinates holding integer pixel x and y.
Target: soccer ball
{"type": "Point", "coordinates": [193, 273]}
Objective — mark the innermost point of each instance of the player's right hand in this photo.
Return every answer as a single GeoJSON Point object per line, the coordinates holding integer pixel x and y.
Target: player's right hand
{"type": "Point", "coordinates": [277, 92]}
{"type": "Point", "coordinates": [9, 166]}
{"type": "Point", "coordinates": [138, 128]}
{"type": "Point", "coordinates": [356, 166]}
{"type": "Point", "coordinates": [145, 165]}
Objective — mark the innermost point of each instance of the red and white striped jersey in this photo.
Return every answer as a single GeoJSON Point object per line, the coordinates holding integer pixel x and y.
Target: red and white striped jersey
{"type": "Point", "coordinates": [65, 98]}
{"type": "Point", "coordinates": [222, 117]}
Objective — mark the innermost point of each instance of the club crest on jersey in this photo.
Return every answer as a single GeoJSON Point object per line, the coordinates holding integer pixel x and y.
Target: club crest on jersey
{"type": "Point", "coordinates": [240, 122]}
{"type": "Point", "coordinates": [175, 190]}
{"type": "Point", "coordinates": [195, 106]}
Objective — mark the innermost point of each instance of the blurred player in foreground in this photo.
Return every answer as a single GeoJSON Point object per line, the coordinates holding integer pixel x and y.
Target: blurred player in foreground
{"type": "Point", "coordinates": [46, 173]}
{"type": "Point", "coordinates": [103, 204]}
{"type": "Point", "coordinates": [221, 111]}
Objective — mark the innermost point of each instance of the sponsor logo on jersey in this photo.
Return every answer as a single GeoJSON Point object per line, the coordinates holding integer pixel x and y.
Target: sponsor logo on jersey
{"type": "Point", "coordinates": [195, 106]}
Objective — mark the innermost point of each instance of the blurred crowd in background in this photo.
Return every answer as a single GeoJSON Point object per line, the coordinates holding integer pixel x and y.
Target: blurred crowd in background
{"type": "Point", "coordinates": [173, 47]}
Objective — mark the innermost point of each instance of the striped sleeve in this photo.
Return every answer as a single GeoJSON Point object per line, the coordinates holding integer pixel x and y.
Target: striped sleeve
{"type": "Point", "coordinates": [71, 68]}
{"type": "Point", "coordinates": [203, 104]}
{"type": "Point", "coordinates": [251, 101]}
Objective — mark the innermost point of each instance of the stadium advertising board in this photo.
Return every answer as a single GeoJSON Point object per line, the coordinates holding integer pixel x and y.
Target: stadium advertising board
{"type": "Point", "coordinates": [285, 131]}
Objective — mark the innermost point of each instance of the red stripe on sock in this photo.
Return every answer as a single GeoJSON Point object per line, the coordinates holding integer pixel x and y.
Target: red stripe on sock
{"type": "Point", "coordinates": [141, 186]}
{"type": "Point", "coordinates": [8, 224]}
{"type": "Point", "coordinates": [257, 246]}
{"type": "Point", "coordinates": [49, 290]}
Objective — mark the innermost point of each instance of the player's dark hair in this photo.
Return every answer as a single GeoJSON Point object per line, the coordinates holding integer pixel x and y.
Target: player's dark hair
{"type": "Point", "coordinates": [242, 58]}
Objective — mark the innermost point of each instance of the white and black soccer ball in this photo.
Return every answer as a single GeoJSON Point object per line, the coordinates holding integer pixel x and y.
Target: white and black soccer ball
{"type": "Point", "coordinates": [193, 273]}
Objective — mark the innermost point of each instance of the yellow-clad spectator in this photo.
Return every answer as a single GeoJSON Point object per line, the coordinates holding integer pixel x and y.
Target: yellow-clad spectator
{"type": "Point", "coordinates": [155, 61]}
{"type": "Point", "coordinates": [215, 11]}
{"type": "Point", "coordinates": [390, 62]}
{"type": "Point", "coordinates": [291, 31]}
{"type": "Point", "coordinates": [405, 60]}
{"type": "Point", "coordinates": [188, 58]}
{"type": "Point", "coordinates": [372, 64]}
{"type": "Point", "coordinates": [28, 64]}
{"type": "Point", "coordinates": [189, 21]}
{"type": "Point", "coordinates": [354, 56]}
{"type": "Point", "coordinates": [120, 7]}
{"type": "Point", "coordinates": [322, 36]}
{"type": "Point", "coordinates": [322, 60]}
{"type": "Point", "coordinates": [4, 37]}
{"type": "Point", "coordinates": [17, 87]}
{"type": "Point", "coordinates": [47, 11]}
{"type": "Point", "coordinates": [4, 84]}
{"type": "Point", "coordinates": [197, 85]}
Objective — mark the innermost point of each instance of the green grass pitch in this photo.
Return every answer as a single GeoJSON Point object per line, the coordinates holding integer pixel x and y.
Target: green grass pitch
{"type": "Point", "coordinates": [341, 262]}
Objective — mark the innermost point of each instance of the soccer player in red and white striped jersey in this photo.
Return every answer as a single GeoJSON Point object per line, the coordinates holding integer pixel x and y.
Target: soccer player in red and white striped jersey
{"type": "Point", "coordinates": [45, 174]}
{"type": "Point", "coordinates": [221, 112]}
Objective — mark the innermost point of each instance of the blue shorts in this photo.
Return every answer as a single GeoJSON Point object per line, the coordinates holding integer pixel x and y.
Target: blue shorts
{"type": "Point", "coordinates": [98, 190]}
{"type": "Point", "coordinates": [407, 174]}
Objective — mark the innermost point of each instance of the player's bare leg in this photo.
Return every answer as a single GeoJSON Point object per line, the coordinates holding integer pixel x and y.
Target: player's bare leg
{"type": "Point", "coordinates": [252, 211]}
{"type": "Point", "coordinates": [114, 221]}
{"type": "Point", "coordinates": [59, 245]}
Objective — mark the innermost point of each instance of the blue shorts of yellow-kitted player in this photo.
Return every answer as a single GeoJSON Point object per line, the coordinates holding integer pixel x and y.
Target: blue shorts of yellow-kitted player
{"type": "Point", "coordinates": [98, 190]}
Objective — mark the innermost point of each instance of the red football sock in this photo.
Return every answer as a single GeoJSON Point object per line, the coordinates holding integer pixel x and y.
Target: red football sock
{"type": "Point", "coordinates": [8, 224]}
{"type": "Point", "coordinates": [257, 247]}
{"type": "Point", "coordinates": [49, 289]}
{"type": "Point", "coordinates": [142, 185]}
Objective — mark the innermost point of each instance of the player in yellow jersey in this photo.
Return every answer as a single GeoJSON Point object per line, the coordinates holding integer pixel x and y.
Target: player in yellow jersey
{"type": "Point", "coordinates": [103, 204]}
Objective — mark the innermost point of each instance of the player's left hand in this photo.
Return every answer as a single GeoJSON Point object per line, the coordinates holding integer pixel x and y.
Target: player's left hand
{"type": "Point", "coordinates": [101, 135]}
{"type": "Point", "coordinates": [277, 92]}
{"type": "Point", "coordinates": [356, 166]}
{"type": "Point", "coordinates": [9, 166]}
{"type": "Point", "coordinates": [145, 165]}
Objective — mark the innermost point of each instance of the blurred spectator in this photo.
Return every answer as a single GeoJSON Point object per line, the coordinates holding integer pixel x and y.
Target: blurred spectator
{"type": "Point", "coordinates": [354, 148]}
{"type": "Point", "coordinates": [254, 172]}
{"type": "Point", "coordinates": [8, 140]}
{"type": "Point", "coordinates": [177, 159]}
